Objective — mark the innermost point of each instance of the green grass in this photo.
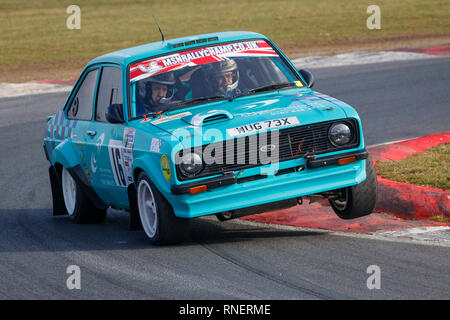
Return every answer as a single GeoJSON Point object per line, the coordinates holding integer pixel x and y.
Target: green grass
{"type": "Point", "coordinates": [34, 32]}
{"type": "Point", "coordinates": [440, 219]}
{"type": "Point", "coordinates": [430, 168]}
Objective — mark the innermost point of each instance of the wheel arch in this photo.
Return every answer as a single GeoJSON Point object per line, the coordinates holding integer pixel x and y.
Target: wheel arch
{"type": "Point", "coordinates": [152, 167]}
{"type": "Point", "coordinates": [66, 155]}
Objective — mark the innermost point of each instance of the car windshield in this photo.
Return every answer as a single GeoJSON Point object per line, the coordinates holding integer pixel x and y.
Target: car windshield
{"type": "Point", "coordinates": [207, 74]}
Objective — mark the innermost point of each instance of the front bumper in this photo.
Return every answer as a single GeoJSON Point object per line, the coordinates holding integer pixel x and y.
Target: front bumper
{"type": "Point", "coordinates": [304, 177]}
{"type": "Point", "coordinates": [231, 178]}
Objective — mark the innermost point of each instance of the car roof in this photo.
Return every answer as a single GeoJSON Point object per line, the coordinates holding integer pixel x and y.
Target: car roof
{"type": "Point", "coordinates": [128, 55]}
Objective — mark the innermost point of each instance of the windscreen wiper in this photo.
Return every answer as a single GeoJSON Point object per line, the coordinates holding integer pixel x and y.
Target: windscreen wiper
{"type": "Point", "coordinates": [199, 99]}
{"type": "Point", "coordinates": [169, 107]}
{"type": "Point", "coordinates": [273, 86]}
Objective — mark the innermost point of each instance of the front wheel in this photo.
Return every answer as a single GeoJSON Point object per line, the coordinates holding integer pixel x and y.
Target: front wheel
{"type": "Point", "coordinates": [224, 216]}
{"type": "Point", "coordinates": [359, 200]}
{"type": "Point", "coordinates": [158, 219]}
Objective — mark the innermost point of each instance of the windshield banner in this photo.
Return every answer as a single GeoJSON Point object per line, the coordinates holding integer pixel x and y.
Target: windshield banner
{"type": "Point", "coordinates": [200, 56]}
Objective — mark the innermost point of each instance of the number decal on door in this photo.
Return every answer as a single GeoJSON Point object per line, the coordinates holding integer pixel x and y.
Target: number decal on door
{"type": "Point", "coordinates": [115, 149]}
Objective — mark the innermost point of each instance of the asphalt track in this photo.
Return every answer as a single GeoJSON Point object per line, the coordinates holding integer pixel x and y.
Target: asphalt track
{"type": "Point", "coordinates": [232, 260]}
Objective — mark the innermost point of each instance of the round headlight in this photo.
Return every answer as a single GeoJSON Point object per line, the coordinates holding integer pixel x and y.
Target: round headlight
{"type": "Point", "coordinates": [340, 134]}
{"type": "Point", "coordinates": [191, 164]}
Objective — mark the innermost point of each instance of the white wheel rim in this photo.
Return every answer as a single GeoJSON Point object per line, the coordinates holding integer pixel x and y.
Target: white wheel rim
{"type": "Point", "coordinates": [147, 208]}
{"type": "Point", "coordinates": [69, 191]}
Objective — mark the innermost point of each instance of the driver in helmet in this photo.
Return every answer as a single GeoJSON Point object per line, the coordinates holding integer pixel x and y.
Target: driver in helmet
{"type": "Point", "coordinates": [159, 91]}
{"type": "Point", "coordinates": [225, 78]}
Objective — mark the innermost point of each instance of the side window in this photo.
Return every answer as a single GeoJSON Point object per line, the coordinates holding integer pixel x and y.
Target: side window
{"type": "Point", "coordinates": [81, 105]}
{"type": "Point", "coordinates": [109, 92]}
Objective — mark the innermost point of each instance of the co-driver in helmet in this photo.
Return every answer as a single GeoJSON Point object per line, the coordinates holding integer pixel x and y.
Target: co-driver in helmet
{"type": "Point", "coordinates": [224, 78]}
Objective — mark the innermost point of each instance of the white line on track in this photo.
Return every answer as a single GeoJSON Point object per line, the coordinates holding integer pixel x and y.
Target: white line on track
{"type": "Point", "coordinates": [390, 142]}
{"type": "Point", "coordinates": [358, 57]}
{"type": "Point", "coordinates": [28, 88]}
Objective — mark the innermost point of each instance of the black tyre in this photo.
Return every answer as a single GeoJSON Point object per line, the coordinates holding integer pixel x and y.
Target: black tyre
{"type": "Point", "coordinates": [359, 200]}
{"type": "Point", "coordinates": [224, 216]}
{"type": "Point", "coordinates": [157, 217]}
{"type": "Point", "coordinates": [78, 206]}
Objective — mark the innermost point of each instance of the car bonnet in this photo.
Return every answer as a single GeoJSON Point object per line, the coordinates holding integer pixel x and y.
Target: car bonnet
{"type": "Point", "coordinates": [262, 112]}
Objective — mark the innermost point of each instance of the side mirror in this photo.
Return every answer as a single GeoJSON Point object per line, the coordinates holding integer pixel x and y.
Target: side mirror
{"type": "Point", "coordinates": [308, 77]}
{"type": "Point", "coordinates": [114, 113]}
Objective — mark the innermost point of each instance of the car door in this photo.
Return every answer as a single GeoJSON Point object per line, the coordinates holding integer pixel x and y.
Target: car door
{"type": "Point", "coordinates": [108, 143]}
{"type": "Point", "coordinates": [73, 122]}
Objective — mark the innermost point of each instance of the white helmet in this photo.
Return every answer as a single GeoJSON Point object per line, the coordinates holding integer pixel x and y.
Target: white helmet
{"type": "Point", "coordinates": [217, 69]}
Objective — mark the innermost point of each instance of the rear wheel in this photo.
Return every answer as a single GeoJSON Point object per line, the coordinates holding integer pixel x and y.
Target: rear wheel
{"type": "Point", "coordinates": [69, 189]}
{"type": "Point", "coordinates": [359, 200]}
{"type": "Point", "coordinates": [78, 206]}
{"type": "Point", "coordinates": [158, 219]}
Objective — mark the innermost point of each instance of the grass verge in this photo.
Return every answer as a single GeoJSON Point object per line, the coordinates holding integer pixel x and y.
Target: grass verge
{"type": "Point", "coordinates": [430, 168]}
{"type": "Point", "coordinates": [441, 219]}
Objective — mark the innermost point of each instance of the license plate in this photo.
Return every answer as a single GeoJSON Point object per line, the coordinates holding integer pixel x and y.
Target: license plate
{"type": "Point", "coordinates": [263, 125]}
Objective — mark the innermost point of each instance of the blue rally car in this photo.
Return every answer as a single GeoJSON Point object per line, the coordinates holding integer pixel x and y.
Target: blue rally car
{"type": "Point", "coordinates": [211, 124]}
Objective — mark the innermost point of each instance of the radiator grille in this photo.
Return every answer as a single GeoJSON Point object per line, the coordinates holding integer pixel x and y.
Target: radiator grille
{"type": "Point", "coordinates": [294, 142]}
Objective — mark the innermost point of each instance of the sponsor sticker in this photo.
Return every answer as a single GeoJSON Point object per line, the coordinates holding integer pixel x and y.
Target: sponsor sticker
{"type": "Point", "coordinates": [165, 167]}
{"type": "Point", "coordinates": [263, 125]}
{"type": "Point", "coordinates": [196, 57]}
{"type": "Point", "coordinates": [128, 142]}
{"type": "Point", "coordinates": [156, 145]}
{"type": "Point", "coordinates": [170, 118]}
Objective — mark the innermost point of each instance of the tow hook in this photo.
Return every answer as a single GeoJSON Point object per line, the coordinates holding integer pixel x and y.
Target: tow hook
{"type": "Point", "coordinates": [310, 156]}
{"type": "Point", "coordinates": [300, 201]}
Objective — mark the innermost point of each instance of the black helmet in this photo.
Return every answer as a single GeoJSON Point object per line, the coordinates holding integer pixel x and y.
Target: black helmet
{"type": "Point", "coordinates": [167, 78]}
{"type": "Point", "coordinates": [144, 86]}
